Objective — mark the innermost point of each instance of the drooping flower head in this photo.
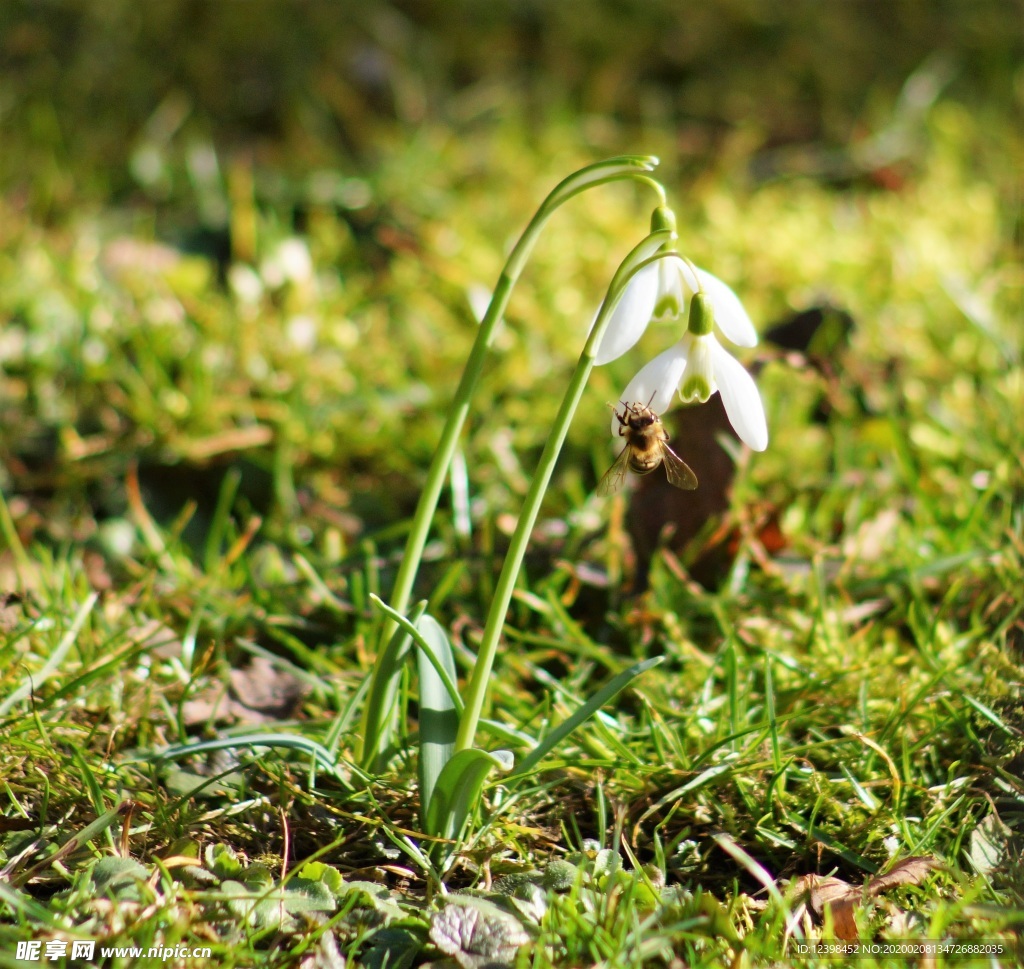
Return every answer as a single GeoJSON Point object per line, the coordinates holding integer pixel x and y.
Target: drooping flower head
{"type": "Point", "coordinates": [697, 364]}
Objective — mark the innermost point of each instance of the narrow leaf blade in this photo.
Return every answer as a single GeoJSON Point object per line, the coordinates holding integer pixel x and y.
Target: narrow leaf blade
{"type": "Point", "coordinates": [439, 718]}
{"type": "Point", "coordinates": [584, 713]}
{"type": "Point", "coordinates": [379, 713]}
{"type": "Point", "coordinates": [458, 789]}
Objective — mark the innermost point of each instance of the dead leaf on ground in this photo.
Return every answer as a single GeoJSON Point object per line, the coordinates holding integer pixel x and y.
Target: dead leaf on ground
{"type": "Point", "coordinates": [840, 897]}
{"type": "Point", "coordinates": [909, 871]}
{"type": "Point", "coordinates": [260, 693]}
{"type": "Point", "coordinates": [817, 892]}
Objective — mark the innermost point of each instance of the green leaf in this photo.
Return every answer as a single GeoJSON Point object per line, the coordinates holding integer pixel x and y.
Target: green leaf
{"type": "Point", "coordinates": [584, 713]}
{"type": "Point", "coordinates": [392, 948]}
{"type": "Point", "coordinates": [318, 871]}
{"type": "Point", "coordinates": [458, 788]}
{"type": "Point", "coordinates": [439, 718]}
{"type": "Point", "coordinates": [415, 631]}
{"type": "Point", "coordinates": [379, 713]}
{"type": "Point", "coordinates": [224, 862]}
{"type": "Point", "coordinates": [118, 878]}
{"type": "Point", "coordinates": [370, 895]}
{"type": "Point", "coordinates": [304, 895]}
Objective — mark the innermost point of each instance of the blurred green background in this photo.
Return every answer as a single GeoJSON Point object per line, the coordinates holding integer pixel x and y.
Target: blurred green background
{"type": "Point", "coordinates": [160, 160]}
{"type": "Point", "coordinates": [103, 91]}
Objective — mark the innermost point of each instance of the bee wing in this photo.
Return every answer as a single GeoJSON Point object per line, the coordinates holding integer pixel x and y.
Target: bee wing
{"type": "Point", "coordinates": [678, 471]}
{"type": "Point", "coordinates": [615, 476]}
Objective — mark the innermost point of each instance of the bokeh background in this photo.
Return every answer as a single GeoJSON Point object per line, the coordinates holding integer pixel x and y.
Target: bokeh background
{"type": "Point", "coordinates": [253, 234]}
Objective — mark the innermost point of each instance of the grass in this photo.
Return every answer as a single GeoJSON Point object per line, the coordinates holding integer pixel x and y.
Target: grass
{"type": "Point", "coordinates": [208, 469]}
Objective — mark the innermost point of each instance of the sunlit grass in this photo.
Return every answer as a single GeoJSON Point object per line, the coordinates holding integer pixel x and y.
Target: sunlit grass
{"type": "Point", "coordinates": [202, 470]}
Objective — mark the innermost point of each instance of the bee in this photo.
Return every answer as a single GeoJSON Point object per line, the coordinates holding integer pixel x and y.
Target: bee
{"type": "Point", "coordinates": [646, 448]}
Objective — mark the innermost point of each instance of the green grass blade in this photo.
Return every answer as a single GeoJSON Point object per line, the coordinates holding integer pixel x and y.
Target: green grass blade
{"type": "Point", "coordinates": [583, 713]}
{"type": "Point", "coordinates": [73, 842]}
{"type": "Point", "coordinates": [26, 907]}
{"type": "Point", "coordinates": [439, 717]}
{"type": "Point", "coordinates": [318, 752]}
{"type": "Point", "coordinates": [221, 519]}
{"type": "Point", "coordinates": [22, 562]}
{"type": "Point", "coordinates": [33, 682]}
{"type": "Point", "coordinates": [773, 726]}
{"type": "Point", "coordinates": [91, 785]}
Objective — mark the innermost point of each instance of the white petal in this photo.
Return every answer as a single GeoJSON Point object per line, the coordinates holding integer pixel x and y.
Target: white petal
{"type": "Point", "coordinates": [655, 385]}
{"type": "Point", "coordinates": [671, 299]}
{"type": "Point", "coordinates": [742, 401]}
{"type": "Point", "coordinates": [630, 317]}
{"type": "Point", "coordinates": [730, 316]}
{"type": "Point", "coordinates": [687, 276]}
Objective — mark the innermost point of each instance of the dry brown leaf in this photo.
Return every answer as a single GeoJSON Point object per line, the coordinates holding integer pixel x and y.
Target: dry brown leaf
{"type": "Point", "coordinates": [909, 871]}
{"type": "Point", "coordinates": [837, 896]}
{"type": "Point", "coordinates": [263, 689]}
{"type": "Point", "coordinates": [841, 898]}
{"type": "Point", "coordinates": [208, 706]}
{"type": "Point", "coordinates": [817, 892]}
{"type": "Point", "coordinates": [260, 693]}
{"type": "Point", "coordinates": [844, 925]}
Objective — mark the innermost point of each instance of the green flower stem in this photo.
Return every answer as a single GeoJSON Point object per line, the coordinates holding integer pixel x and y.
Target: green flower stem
{"type": "Point", "coordinates": [476, 692]}
{"type": "Point", "coordinates": [613, 169]}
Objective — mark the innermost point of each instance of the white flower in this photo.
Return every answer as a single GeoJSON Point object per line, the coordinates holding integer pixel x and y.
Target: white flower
{"type": "Point", "coordinates": [631, 315]}
{"type": "Point", "coordinates": [698, 365]}
{"type": "Point", "coordinates": [660, 291]}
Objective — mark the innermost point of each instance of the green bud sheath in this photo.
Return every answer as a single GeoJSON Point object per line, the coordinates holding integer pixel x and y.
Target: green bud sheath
{"type": "Point", "coordinates": [702, 315]}
{"type": "Point", "coordinates": [663, 218]}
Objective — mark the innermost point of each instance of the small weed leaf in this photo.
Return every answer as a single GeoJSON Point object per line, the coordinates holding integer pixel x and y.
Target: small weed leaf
{"type": "Point", "coordinates": [361, 897]}
{"type": "Point", "coordinates": [118, 878]}
{"type": "Point", "coordinates": [392, 948]}
{"type": "Point", "coordinates": [309, 896]}
{"type": "Point", "coordinates": [319, 872]}
{"type": "Point", "coordinates": [476, 933]}
{"type": "Point", "coordinates": [223, 862]}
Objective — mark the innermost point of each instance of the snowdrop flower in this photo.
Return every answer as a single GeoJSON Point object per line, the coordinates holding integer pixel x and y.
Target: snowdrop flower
{"type": "Point", "coordinates": [639, 302]}
{"type": "Point", "coordinates": [660, 291]}
{"type": "Point", "coordinates": [698, 365]}
{"type": "Point", "coordinates": [631, 315]}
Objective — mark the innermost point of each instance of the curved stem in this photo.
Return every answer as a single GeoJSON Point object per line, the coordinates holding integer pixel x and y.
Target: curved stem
{"type": "Point", "coordinates": [608, 171]}
{"type": "Point", "coordinates": [476, 692]}
{"type": "Point", "coordinates": [613, 169]}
